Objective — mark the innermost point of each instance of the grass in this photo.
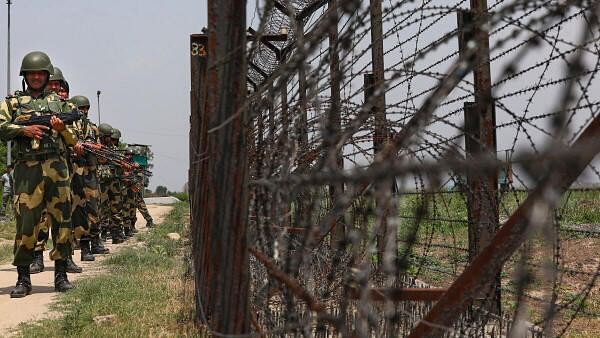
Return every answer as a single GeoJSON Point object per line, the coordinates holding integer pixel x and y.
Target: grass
{"type": "Point", "coordinates": [142, 291]}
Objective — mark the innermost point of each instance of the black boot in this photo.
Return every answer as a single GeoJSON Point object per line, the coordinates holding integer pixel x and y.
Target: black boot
{"type": "Point", "coordinates": [116, 238]}
{"type": "Point", "coordinates": [98, 246]}
{"type": "Point", "coordinates": [38, 262]}
{"type": "Point", "coordinates": [86, 251]}
{"type": "Point", "coordinates": [71, 267]}
{"type": "Point", "coordinates": [150, 224]}
{"type": "Point", "coordinates": [61, 282]}
{"type": "Point", "coordinates": [128, 232]}
{"type": "Point", "coordinates": [23, 287]}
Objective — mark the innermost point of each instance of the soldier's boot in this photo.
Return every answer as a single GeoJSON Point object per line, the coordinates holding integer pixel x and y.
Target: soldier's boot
{"type": "Point", "coordinates": [71, 267]}
{"type": "Point", "coordinates": [116, 239]}
{"type": "Point", "coordinates": [150, 223]}
{"type": "Point", "coordinates": [128, 232]}
{"type": "Point", "coordinates": [104, 234]}
{"type": "Point", "coordinates": [37, 265]}
{"type": "Point", "coordinates": [86, 251]}
{"type": "Point", "coordinates": [23, 286]}
{"type": "Point", "coordinates": [98, 246]}
{"type": "Point", "coordinates": [61, 282]}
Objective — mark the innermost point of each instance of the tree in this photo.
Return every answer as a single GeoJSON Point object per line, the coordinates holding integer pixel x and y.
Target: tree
{"type": "Point", "coordinates": [161, 191]}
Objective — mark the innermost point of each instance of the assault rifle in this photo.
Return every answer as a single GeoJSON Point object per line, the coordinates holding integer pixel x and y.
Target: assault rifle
{"type": "Point", "coordinates": [44, 120]}
{"type": "Point", "coordinates": [116, 158]}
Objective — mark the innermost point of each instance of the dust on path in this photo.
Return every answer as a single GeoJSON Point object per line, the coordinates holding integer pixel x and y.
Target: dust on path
{"type": "Point", "coordinates": [14, 311]}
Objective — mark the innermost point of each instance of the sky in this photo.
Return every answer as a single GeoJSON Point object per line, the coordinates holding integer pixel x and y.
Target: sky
{"type": "Point", "coordinates": [135, 51]}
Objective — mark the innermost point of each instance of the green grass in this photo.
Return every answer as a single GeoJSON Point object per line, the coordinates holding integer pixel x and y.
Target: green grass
{"type": "Point", "coordinates": [142, 290]}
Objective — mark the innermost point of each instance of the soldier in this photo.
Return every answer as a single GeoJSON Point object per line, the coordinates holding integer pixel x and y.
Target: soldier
{"type": "Point", "coordinates": [59, 85]}
{"type": "Point", "coordinates": [110, 196]}
{"type": "Point", "coordinates": [141, 204]}
{"type": "Point", "coordinates": [41, 174]}
{"type": "Point", "coordinates": [119, 188]}
{"type": "Point", "coordinates": [85, 217]}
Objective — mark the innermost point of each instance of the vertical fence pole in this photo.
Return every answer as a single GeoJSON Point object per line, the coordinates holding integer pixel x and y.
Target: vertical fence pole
{"type": "Point", "coordinates": [480, 138]}
{"type": "Point", "coordinates": [223, 256]}
{"type": "Point", "coordinates": [334, 118]}
{"type": "Point", "coordinates": [380, 132]}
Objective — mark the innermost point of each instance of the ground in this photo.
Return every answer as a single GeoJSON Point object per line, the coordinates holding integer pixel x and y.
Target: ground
{"type": "Point", "coordinates": [36, 305]}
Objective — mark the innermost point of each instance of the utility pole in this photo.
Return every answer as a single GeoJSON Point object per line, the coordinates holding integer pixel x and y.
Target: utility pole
{"type": "Point", "coordinates": [98, 96]}
{"type": "Point", "coordinates": [9, 143]}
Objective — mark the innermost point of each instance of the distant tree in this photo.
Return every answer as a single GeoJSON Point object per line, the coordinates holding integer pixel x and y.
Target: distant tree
{"type": "Point", "coordinates": [161, 191]}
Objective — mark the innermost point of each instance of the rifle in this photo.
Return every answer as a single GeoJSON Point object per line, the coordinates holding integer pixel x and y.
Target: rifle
{"type": "Point", "coordinates": [44, 120]}
{"type": "Point", "coordinates": [116, 158]}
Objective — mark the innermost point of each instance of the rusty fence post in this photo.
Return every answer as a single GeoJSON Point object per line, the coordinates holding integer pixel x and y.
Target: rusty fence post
{"type": "Point", "coordinates": [221, 252]}
{"type": "Point", "coordinates": [480, 138]}
{"type": "Point", "coordinates": [334, 126]}
{"type": "Point", "coordinates": [197, 146]}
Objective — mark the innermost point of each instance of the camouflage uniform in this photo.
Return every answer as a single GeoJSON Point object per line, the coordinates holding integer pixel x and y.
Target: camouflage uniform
{"type": "Point", "coordinates": [41, 176]}
{"type": "Point", "coordinates": [141, 206]}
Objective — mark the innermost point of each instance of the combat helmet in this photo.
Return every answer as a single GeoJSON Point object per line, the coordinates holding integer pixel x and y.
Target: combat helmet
{"type": "Point", "coordinates": [116, 134]}
{"type": "Point", "coordinates": [80, 101]}
{"type": "Point", "coordinates": [57, 75]}
{"type": "Point", "coordinates": [105, 129]}
{"type": "Point", "coordinates": [36, 61]}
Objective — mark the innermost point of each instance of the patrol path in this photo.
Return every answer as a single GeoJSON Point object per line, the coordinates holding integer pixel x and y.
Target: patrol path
{"type": "Point", "coordinates": [35, 306]}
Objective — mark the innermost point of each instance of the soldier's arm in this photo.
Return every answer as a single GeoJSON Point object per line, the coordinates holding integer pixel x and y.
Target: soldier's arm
{"type": "Point", "coordinates": [70, 133]}
{"type": "Point", "coordinates": [8, 130]}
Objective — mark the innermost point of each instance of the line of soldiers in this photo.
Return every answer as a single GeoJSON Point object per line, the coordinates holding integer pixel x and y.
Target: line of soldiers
{"type": "Point", "coordinates": [71, 181]}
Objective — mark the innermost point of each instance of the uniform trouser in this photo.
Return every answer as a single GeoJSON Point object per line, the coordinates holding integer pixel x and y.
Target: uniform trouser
{"type": "Point", "coordinates": [129, 208]}
{"type": "Point", "coordinates": [81, 227]}
{"type": "Point", "coordinates": [141, 206]}
{"type": "Point", "coordinates": [6, 202]}
{"type": "Point", "coordinates": [110, 214]}
{"type": "Point", "coordinates": [92, 194]}
{"type": "Point", "coordinates": [42, 186]}
{"type": "Point", "coordinates": [124, 209]}
{"type": "Point", "coordinates": [84, 192]}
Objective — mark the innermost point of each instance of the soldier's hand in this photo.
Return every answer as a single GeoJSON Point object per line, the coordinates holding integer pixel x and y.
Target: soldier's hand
{"type": "Point", "coordinates": [78, 148]}
{"type": "Point", "coordinates": [57, 124]}
{"type": "Point", "coordinates": [36, 131]}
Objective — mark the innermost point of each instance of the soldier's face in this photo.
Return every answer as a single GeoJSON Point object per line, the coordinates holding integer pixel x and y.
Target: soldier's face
{"type": "Point", "coordinates": [63, 93]}
{"type": "Point", "coordinates": [53, 86]}
{"type": "Point", "coordinates": [36, 80]}
{"type": "Point", "coordinates": [84, 109]}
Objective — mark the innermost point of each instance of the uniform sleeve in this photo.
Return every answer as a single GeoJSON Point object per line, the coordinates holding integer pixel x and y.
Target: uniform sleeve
{"type": "Point", "coordinates": [8, 130]}
{"type": "Point", "coordinates": [70, 134]}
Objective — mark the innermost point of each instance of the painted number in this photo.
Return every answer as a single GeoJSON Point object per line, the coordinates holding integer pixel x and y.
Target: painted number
{"type": "Point", "coordinates": [198, 49]}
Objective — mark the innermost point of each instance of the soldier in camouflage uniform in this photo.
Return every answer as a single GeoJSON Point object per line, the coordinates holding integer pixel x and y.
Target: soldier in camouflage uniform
{"type": "Point", "coordinates": [130, 183]}
{"type": "Point", "coordinates": [41, 175]}
{"type": "Point", "coordinates": [141, 204]}
{"type": "Point", "coordinates": [110, 194]}
{"type": "Point", "coordinates": [122, 185]}
{"type": "Point", "coordinates": [59, 85]}
{"type": "Point", "coordinates": [85, 218]}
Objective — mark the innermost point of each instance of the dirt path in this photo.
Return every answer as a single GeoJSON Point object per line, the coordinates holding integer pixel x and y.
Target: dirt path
{"type": "Point", "coordinates": [35, 306]}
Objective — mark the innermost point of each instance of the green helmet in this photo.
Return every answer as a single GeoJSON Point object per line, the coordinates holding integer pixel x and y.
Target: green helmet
{"type": "Point", "coordinates": [105, 129]}
{"type": "Point", "coordinates": [57, 75]}
{"type": "Point", "coordinates": [36, 61]}
{"type": "Point", "coordinates": [116, 134]}
{"type": "Point", "coordinates": [80, 101]}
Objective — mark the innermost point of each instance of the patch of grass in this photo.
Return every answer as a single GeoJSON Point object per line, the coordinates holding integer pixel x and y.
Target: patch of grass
{"type": "Point", "coordinates": [142, 291]}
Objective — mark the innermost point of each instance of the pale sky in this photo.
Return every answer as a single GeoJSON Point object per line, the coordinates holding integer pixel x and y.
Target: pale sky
{"type": "Point", "coordinates": [134, 51]}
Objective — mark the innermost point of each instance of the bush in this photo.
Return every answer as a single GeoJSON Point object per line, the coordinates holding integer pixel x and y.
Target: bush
{"type": "Point", "coordinates": [182, 196]}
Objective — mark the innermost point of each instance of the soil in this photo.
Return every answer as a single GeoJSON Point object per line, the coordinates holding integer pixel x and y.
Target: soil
{"type": "Point", "coordinates": [36, 306]}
